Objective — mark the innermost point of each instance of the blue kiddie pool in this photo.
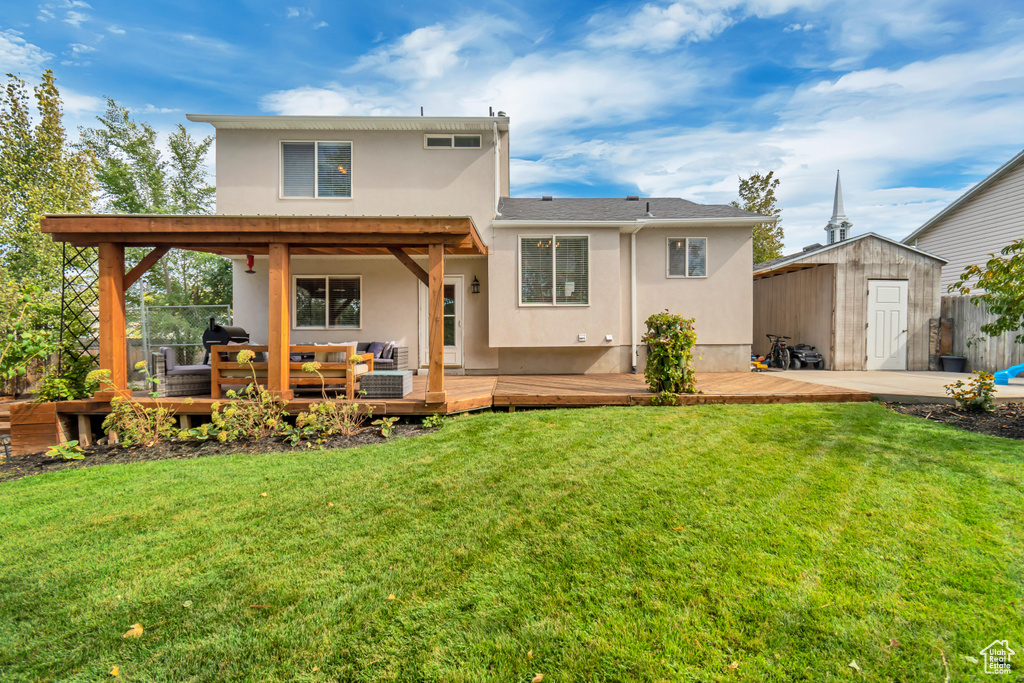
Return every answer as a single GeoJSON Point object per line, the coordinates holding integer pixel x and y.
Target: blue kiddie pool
{"type": "Point", "coordinates": [1003, 376]}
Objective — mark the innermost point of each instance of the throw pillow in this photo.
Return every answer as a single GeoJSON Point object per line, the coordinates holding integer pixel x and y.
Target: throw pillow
{"type": "Point", "coordinates": [375, 348]}
{"type": "Point", "coordinates": [388, 352]}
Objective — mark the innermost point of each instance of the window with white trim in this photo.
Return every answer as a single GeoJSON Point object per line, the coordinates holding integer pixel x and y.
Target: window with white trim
{"type": "Point", "coordinates": [434, 141]}
{"type": "Point", "coordinates": [554, 270]}
{"type": "Point", "coordinates": [687, 257]}
{"type": "Point", "coordinates": [327, 302]}
{"type": "Point", "coordinates": [316, 170]}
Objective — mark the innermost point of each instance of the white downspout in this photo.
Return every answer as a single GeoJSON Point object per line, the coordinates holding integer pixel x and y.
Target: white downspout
{"type": "Point", "coordinates": [497, 170]}
{"type": "Point", "coordinates": [632, 293]}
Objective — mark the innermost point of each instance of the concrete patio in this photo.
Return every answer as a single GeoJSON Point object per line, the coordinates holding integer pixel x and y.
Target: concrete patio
{"type": "Point", "coordinates": [902, 387]}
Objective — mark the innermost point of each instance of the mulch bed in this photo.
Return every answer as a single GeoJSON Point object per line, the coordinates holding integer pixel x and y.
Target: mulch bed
{"type": "Point", "coordinates": [18, 466]}
{"type": "Point", "coordinates": [1006, 420]}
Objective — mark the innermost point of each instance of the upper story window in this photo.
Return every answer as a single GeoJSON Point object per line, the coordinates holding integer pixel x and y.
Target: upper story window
{"type": "Point", "coordinates": [432, 141]}
{"type": "Point", "coordinates": [687, 257]}
{"type": "Point", "coordinates": [554, 270]}
{"type": "Point", "coordinates": [318, 170]}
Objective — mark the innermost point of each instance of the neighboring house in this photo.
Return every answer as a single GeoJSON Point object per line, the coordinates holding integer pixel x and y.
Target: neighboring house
{"type": "Point", "coordinates": [982, 221]}
{"type": "Point", "coordinates": [564, 285]}
{"type": "Point", "coordinates": [866, 302]}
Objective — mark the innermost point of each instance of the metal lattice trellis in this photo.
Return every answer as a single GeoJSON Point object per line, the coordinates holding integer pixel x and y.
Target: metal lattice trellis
{"type": "Point", "coordinates": [79, 304]}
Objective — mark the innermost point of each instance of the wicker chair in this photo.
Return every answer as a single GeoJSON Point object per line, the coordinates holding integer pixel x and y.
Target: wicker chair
{"type": "Point", "coordinates": [177, 380]}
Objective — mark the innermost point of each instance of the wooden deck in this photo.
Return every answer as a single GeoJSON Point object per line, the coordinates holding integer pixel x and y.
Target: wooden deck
{"type": "Point", "coordinates": [32, 425]}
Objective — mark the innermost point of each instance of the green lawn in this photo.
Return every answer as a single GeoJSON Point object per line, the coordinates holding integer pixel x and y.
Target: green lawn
{"type": "Point", "coordinates": [614, 544]}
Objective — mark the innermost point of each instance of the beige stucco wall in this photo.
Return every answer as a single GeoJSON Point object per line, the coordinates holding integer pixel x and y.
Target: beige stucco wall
{"type": "Point", "coordinates": [516, 326]}
{"type": "Point", "coordinates": [392, 175]}
{"type": "Point", "coordinates": [544, 339]}
{"type": "Point", "coordinates": [390, 303]}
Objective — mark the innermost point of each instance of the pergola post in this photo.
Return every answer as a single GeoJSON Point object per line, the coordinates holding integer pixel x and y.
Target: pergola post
{"type": "Point", "coordinates": [280, 321]}
{"type": "Point", "coordinates": [113, 337]}
{"type": "Point", "coordinates": [435, 315]}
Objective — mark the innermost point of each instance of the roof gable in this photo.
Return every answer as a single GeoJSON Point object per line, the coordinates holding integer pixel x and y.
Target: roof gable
{"type": "Point", "coordinates": [809, 256]}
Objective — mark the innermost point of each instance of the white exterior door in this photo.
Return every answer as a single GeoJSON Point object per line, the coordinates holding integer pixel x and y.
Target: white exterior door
{"type": "Point", "coordinates": [887, 325]}
{"type": "Point", "coordinates": [453, 295]}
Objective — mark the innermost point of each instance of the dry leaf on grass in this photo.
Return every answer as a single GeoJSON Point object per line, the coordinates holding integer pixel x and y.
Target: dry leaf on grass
{"type": "Point", "coordinates": [894, 643]}
{"type": "Point", "coordinates": [330, 505]}
{"type": "Point", "coordinates": [677, 528]}
{"type": "Point", "coordinates": [853, 665]}
{"type": "Point", "coordinates": [538, 678]}
{"type": "Point", "coordinates": [263, 495]}
{"type": "Point", "coordinates": [391, 596]}
{"type": "Point", "coordinates": [134, 632]}
{"type": "Point", "coordinates": [529, 654]}
{"type": "Point", "coordinates": [734, 665]}
{"type": "Point", "coordinates": [115, 671]}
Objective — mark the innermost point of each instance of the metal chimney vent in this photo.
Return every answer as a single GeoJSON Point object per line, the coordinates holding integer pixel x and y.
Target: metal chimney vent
{"type": "Point", "coordinates": [546, 198]}
{"type": "Point", "coordinates": [633, 198]}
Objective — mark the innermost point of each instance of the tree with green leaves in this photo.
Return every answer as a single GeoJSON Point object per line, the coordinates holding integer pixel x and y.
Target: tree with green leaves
{"type": "Point", "coordinates": [40, 173]}
{"type": "Point", "coordinates": [134, 177]}
{"type": "Point", "coordinates": [757, 195]}
{"type": "Point", "coordinates": [999, 284]}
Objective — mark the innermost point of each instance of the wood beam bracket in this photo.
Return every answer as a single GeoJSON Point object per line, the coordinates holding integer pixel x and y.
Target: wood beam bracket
{"type": "Point", "coordinates": [409, 263]}
{"type": "Point", "coordinates": [147, 262]}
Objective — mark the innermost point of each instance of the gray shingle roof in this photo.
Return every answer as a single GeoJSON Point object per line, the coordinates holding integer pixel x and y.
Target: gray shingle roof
{"type": "Point", "coordinates": [611, 209]}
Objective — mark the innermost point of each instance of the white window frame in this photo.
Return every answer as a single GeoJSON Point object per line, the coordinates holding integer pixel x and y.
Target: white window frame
{"type": "Point", "coordinates": [327, 307]}
{"type": "Point", "coordinates": [452, 136]}
{"type": "Point", "coordinates": [316, 169]}
{"type": "Point", "coordinates": [686, 248]}
{"type": "Point", "coordinates": [554, 270]}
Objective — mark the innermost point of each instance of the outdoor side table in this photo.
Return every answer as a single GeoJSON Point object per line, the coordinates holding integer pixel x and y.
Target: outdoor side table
{"type": "Point", "coordinates": [386, 384]}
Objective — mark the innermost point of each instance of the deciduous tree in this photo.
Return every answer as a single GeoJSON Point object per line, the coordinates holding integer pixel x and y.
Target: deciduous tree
{"type": "Point", "coordinates": [40, 173]}
{"type": "Point", "coordinates": [999, 284]}
{"type": "Point", "coordinates": [757, 194]}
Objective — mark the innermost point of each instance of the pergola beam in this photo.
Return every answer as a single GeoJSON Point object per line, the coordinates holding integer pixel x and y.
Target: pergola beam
{"type": "Point", "coordinates": [435, 326]}
{"type": "Point", "coordinates": [113, 333]}
{"type": "Point", "coordinates": [147, 262]}
{"type": "Point", "coordinates": [407, 261]}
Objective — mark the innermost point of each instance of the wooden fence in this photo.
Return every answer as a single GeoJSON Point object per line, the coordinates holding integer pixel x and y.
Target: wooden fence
{"type": "Point", "coordinates": [983, 352]}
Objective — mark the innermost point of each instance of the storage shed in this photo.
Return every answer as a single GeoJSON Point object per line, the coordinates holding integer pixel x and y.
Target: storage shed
{"type": "Point", "coordinates": [866, 302]}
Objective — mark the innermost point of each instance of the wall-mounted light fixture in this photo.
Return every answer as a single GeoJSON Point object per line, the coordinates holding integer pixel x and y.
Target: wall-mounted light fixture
{"type": "Point", "coordinates": [475, 285]}
{"type": "Point", "coordinates": [249, 261]}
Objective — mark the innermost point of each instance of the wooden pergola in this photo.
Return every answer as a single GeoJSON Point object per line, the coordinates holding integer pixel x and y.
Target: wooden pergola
{"type": "Point", "coordinates": [279, 237]}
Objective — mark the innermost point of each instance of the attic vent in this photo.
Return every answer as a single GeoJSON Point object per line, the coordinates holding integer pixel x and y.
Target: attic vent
{"type": "Point", "coordinates": [812, 247]}
{"type": "Point", "coordinates": [633, 198]}
{"type": "Point", "coordinates": [546, 198]}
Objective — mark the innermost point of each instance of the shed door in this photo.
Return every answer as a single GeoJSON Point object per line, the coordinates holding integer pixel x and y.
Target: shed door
{"type": "Point", "coordinates": [887, 325]}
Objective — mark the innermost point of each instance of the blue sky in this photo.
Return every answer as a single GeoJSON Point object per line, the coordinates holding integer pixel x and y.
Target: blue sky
{"type": "Point", "coordinates": [913, 102]}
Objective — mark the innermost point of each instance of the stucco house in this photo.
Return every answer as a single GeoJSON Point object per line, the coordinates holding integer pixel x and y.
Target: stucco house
{"type": "Point", "coordinates": [980, 222]}
{"type": "Point", "coordinates": [556, 285]}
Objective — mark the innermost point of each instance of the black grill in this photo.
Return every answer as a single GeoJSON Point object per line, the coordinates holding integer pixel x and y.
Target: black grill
{"type": "Point", "coordinates": [222, 334]}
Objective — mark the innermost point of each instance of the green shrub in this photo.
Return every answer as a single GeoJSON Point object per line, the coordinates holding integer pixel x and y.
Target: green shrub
{"type": "Point", "coordinates": [670, 339]}
{"type": "Point", "coordinates": [434, 421]}
{"type": "Point", "coordinates": [130, 423]}
{"type": "Point", "coordinates": [977, 394]}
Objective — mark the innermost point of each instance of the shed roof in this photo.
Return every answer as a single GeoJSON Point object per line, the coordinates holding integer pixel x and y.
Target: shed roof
{"type": "Point", "coordinates": [781, 263]}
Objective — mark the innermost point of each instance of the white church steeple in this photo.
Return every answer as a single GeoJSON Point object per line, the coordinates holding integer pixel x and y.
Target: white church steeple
{"type": "Point", "coordinates": [838, 228]}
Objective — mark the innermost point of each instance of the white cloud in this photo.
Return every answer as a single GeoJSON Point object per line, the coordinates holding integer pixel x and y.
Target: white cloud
{"type": "Point", "coordinates": [153, 109]}
{"type": "Point", "coordinates": [798, 27]}
{"type": "Point", "coordinates": [320, 24]}
{"type": "Point", "coordinates": [331, 100]}
{"type": "Point", "coordinates": [45, 14]}
{"type": "Point", "coordinates": [116, 30]}
{"type": "Point", "coordinates": [431, 51]}
{"type": "Point", "coordinates": [75, 18]}
{"type": "Point", "coordinates": [659, 28]}
{"type": "Point", "coordinates": [78, 49]}
{"type": "Point", "coordinates": [18, 55]}
{"type": "Point", "coordinates": [76, 104]}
